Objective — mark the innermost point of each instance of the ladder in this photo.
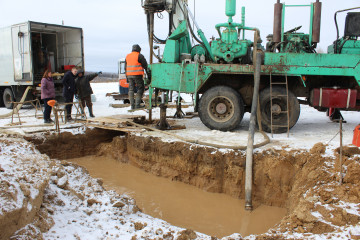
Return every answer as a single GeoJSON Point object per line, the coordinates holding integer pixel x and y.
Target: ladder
{"type": "Point", "coordinates": [272, 110]}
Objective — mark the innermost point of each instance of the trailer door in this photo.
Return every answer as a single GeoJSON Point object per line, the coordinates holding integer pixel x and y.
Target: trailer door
{"type": "Point", "coordinates": [21, 52]}
{"type": "Point", "coordinates": [70, 47]}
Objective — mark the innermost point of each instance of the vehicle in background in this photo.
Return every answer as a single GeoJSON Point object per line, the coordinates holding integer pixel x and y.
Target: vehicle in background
{"type": "Point", "coordinates": [220, 73]}
{"type": "Point", "coordinates": [123, 84]}
{"type": "Point", "coordinates": [27, 49]}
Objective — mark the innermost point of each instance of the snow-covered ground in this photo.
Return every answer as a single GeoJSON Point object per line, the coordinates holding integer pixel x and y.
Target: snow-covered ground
{"type": "Point", "coordinates": [74, 206]}
{"type": "Point", "coordinates": [82, 209]}
{"type": "Point", "coordinates": [312, 127]}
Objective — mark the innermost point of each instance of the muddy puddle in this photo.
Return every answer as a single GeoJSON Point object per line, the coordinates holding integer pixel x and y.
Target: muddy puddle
{"type": "Point", "coordinates": [181, 204]}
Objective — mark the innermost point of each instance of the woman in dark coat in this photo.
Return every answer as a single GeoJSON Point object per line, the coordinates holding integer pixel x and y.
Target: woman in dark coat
{"type": "Point", "coordinates": [47, 93]}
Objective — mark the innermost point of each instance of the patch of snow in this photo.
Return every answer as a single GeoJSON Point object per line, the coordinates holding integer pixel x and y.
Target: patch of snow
{"type": "Point", "coordinates": [311, 128]}
{"type": "Point", "coordinates": [29, 207]}
{"type": "Point", "coordinates": [351, 208]}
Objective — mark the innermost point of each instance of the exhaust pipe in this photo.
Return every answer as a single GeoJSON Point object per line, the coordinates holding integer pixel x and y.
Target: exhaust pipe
{"type": "Point", "coordinates": [278, 9]}
{"type": "Point", "coordinates": [316, 22]}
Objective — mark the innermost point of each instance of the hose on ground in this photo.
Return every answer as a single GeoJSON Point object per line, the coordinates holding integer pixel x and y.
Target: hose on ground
{"type": "Point", "coordinates": [18, 107]}
{"type": "Point", "coordinates": [238, 147]}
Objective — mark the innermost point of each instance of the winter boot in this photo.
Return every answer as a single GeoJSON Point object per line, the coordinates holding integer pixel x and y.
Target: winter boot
{"type": "Point", "coordinates": [132, 100]}
{"type": "Point", "coordinates": [138, 101]}
{"type": "Point", "coordinates": [83, 116]}
{"type": "Point", "coordinates": [91, 112]}
{"type": "Point", "coordinates": [68, 115]}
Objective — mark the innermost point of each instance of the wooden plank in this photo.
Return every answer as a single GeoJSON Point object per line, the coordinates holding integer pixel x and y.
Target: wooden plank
{"type": "Point", "coordinates": [115, 122]}
{"type": "Point", "coordinates": [110, 94]}
{"type": "Point", "coordinates": [121, 116]}
{"type": "Point", "coordinates": [115, 128]}
{"type": "Point", "coordinates": [119, 105]}
{"type": "Point", "coordinates": [120, 97]}
{"type": "Point", "coordinates": [174, 106]}
{"type": "Point", "coordinates": [108, 121]}
{"type": "Point", "coordinates": [185, 117]}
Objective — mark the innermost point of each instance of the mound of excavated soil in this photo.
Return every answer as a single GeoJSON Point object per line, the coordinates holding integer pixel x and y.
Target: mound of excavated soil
{"type": "Point", "coordinates": [318, 148]}
{"type": "Point", "coordinates": [24, 174]}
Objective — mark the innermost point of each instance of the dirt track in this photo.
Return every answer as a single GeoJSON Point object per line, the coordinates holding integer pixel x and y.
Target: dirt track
{"type": "Point", "coordinates": [304, 182]}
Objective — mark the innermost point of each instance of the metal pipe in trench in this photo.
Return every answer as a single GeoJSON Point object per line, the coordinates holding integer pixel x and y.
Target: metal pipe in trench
{"type": "Point", "coordinates": [151, 45]}
{"type": "Point", "coordinates": [151, 37]}
{"type": "Point", "coordinates": [250, 144]}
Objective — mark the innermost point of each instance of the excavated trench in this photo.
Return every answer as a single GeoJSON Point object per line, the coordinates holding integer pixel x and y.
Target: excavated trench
{"type": "Point", "coordinates": [181, 204]}
{"type": "Point", "coordinates": [285, 180]}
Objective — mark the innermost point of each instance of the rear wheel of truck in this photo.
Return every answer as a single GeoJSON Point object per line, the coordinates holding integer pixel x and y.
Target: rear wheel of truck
{"type": "Point", "coordinates": [221, 108]}
{"type": "Point", "coordinates": [1, 98]}
{"type": "Point", "coordinates": [8, 98]}
{"type": "Point", "coordinates": [279, 106]}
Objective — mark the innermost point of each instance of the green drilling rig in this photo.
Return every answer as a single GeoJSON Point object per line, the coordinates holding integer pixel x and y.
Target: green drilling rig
{"type": "Point", "coordinates": [220, 73]}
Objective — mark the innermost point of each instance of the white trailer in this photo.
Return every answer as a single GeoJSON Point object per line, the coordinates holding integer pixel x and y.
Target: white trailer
{"type": "Point", "coordinates": [27, 49]}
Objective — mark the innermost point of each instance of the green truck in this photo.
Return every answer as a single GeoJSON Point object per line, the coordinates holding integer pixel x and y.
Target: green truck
{"type": "Point", "coordinates": [220, 73]}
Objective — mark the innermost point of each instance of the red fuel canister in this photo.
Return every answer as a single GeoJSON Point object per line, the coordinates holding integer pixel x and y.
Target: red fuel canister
{"type": "Point", "coordinates": [333, 98]}
{"type": "Point", "coordinates": [356, 139]}
{"type": "Point", "coordinates": [68, 67]}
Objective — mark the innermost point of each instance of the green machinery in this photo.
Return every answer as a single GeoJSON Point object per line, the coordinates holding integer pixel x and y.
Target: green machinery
{"type": "Point", "coordinates": [220, 73]}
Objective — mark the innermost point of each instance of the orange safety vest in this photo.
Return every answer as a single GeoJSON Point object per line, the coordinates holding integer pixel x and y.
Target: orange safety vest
{"type": "Point", "coordinates": [123, 83]}
{"type": "Point", "coordinates": [133, 67]}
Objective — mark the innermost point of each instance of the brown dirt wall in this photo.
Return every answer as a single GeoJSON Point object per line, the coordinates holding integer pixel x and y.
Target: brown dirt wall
{"type": "Point", "coordinates": [66, 145]}
{"type": "Point", "coordinates": [302, 181]}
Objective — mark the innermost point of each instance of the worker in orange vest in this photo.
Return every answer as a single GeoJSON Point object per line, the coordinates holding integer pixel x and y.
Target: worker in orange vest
{"type": "Point", "coordinates": [135, 65]}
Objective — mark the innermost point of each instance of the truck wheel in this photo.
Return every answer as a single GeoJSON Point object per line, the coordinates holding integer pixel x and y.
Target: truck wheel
{"type": "Point", "coordinates": [279, 105]}
{"type": "Point", "coordinates": [221, 108]}
{"type": "Point", "coordinates": [8, 98]}
{"type": "Point", "coordinates": [1, 99]}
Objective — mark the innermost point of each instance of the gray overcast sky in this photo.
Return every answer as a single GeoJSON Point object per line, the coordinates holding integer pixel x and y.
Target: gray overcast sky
{"type": "Point", "coordinates": [111, 27]}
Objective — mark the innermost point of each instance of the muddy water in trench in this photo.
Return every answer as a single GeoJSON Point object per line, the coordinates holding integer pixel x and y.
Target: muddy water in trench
{"type": "Point", "coordinates": [181, 204]}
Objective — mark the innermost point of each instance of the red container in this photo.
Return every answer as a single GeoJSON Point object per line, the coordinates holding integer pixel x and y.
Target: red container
{"type": "Point", "coordinates": [333, 98]}
{"type": "Point", "coordinates": [68, 67]}
{"type": "Point", "coordinates": [123, 83]}
{"type": "Point", "coordinates": [356, 139]}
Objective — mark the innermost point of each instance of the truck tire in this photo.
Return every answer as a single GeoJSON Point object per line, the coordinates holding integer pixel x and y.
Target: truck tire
{"type": "Point", "coordinates": [8, 98]}
{"type": "Point", "coordinates": [279, 104]}
{"type": "Point", "coordinates": [1, 98]}
{"type": "Point", "coordinates": [221, 108]}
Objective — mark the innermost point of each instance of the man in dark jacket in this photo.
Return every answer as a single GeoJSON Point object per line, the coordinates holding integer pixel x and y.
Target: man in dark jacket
{"type": "Point", "coordinates": [84, 90]}
{"type": "Point", "coordinates": [135, 65]}
{"type": "Point", "coordinates": [69, 90]}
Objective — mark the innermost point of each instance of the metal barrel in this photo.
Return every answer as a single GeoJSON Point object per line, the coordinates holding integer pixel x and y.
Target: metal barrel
{"type": "Point", "coordinates": [278, 8]}
{"type": "Point", "coordinates": [230, 8]}
{"type": "Point", "coordinates": [316, 22]}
